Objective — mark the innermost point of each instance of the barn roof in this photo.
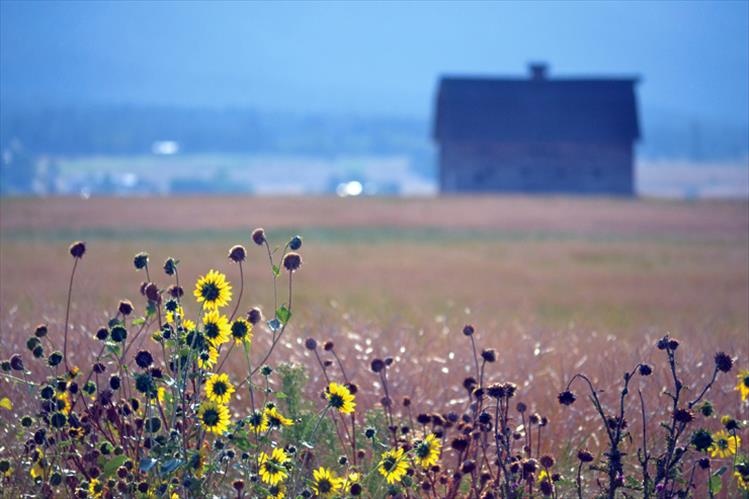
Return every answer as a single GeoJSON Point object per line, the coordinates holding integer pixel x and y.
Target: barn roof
{"type": "Point", "coordinates": [599, 110]}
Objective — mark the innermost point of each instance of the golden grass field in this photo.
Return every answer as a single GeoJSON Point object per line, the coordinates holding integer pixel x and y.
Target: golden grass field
{"type": "Point", "coordinates": [556, 285]}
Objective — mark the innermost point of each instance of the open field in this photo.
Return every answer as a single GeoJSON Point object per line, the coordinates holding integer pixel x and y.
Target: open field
{"type": "Point", "coordinates": [556, 285]}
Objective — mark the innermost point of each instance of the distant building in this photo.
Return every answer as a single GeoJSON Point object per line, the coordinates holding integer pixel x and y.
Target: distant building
{"type": "Point", "coordinates": [537, 135]}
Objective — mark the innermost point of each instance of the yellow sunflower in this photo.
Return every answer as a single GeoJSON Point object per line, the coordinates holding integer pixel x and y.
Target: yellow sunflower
{"type": "Point", "coordinates": [95, 488]}
{"type": "Point", "coordinates": [258, 421]}
{"type": "Point", "coordinates": [64, 397]}
{"type": "Point", "coordinates": [276, 419]}
{"type": "Point", "coordinates": [211, 357]}
{"type": "Point", "coordinates": [340, 398]}
{"type": "Point", "coordinates": [393, 465]}
{"type": "Point", "coordinates": [351, 479]}
{"type": "Point", "coordinates": [218, 388]}
{"type": "Point", "coordinates": [171, 317]}
{"type": "Point", "coordinates": [213, 290]}
{"type": "Point", "coordinates": [213, 417]}
{"type": "Point", "coordinates": [724, 444]}
{"type": "Point", "coordinates": [241, 331]}
{"type": "Point", "coordinates": [272, 468]}
{"type": "Point", "coordinates": [743, 384]}
{"type": "Point", "coordinates": [216, 328]}
{"type": "Point", "coordinates": [427, 451]}
{"type": "Point", "coordinates": [325, 482]}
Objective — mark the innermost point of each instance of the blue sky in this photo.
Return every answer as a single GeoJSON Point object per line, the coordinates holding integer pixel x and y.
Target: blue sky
{"type": "Point", "coordinates": [366, 58]}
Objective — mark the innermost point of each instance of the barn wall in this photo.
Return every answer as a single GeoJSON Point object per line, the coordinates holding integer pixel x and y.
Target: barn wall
{"type": "Point", "coordinates": [537, 168]}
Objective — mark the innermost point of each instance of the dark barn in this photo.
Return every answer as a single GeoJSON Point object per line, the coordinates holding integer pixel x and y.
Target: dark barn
{"type": "Point", "coordinates": [537, 135]}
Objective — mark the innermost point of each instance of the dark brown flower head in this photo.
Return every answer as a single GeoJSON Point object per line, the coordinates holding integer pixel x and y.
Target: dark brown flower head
{"type": "Point", "coordinates": [328, 346]}
{"type": "Point", "coordinates": [673, 344]}
{"type": "Point", "coordinates": [467, 467]}
{"type": "Point", "coordinates": [534, 418]}
{"type": "Point", "coordinates": [459, 444]}
{"type": "Point", "coordinates": [684, 416]}
{"type": "Point", "coordinates": [144, 359]}
{"type": "Point", "coordinates": [327, 363]}
{"type": "Point", "coordinates": [510, 389]}
{"type": "Point", "coordinates": [707, 409]}
{"type": "Point", "coordinates": [529, 466]}
{"type": "Point", "coordinates": [258, 236]}
{"type": "Point", "coordinates": [469, 383]}
{"type": "Point", "coordinates": [237, 253]}
{"type": "Point", "coordinates": [547, 461]}
{"type": "Point", "coordinates": [702, 440]}
{"type": "Point", "coordinates": [547, 489]}
{"type": "Point", "coordinates": [704, 463]}
{"type": "Point", "coordinates": [292, 261]}
{"type": "Point", "coordinates": [238, 485]}
{"type": "Point", "coordinates": [16, 362]}
{"type": "Point", "coordinates": [152, 292]}
{"type": "Point", "coordinates": [125, 307]}
{"type": "Point", "coordinates": [254, 316]}
{"type": "Point", "coordinates": [584, 456]}
{"type": "Point", "coordinates": [40, 331]}
{"type": "Point", "coordinates": [377, 365]}
{"type": "Point", "coordinates": [310, 344]}
{"type": "Point", "coordinates": [175, 291]}
{"type": "Point", "coordinates": [723, 362]}
{"type": "Point", "coordinates": [78, 249]}
{"type": "Point", "coordinates": [406, 401]}
{"type": "Point", "coordinates": [423, 418]}
{"type": "Point", "coordinates": [496, 390]}
{"type": "Point", "coordinates": [544, 421]}
{"type": "Point", "coordinates": [140, 260]}
{"type": "Point", "coordinates": [489, 355]}
{"type": "Point", "coordinates": [730, 423]}
{"type": "Point", "coordinates": [645, 370]}
{"type": "Point", "coordinates": [521, 407]}
{"type": "Point", "coordinates": [352, 387]}
{"type": "Point", "coordinates": [468, 330]}
{"type": "Point", "coordinates": [567, 398]}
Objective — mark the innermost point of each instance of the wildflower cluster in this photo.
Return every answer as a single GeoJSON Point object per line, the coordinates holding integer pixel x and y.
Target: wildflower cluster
{"type": "Point", "coordinates": [158, 413]}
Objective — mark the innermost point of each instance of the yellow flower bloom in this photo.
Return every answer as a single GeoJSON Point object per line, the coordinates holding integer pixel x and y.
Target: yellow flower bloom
{"type": "Point", "coordinates": [218, 388]}
{"type": "Point", "coordinates": [741, 480]}
{"type": "Point", "coordinates": [724, 444]}
{"type": "Point", "coordinates": [160, 394]}
{"type": "Point", "coordinates": [213, 417]}
{"type": "Point", "coordinates": [188, 325]}
{"type": "Point", "coordinates": [171, 317]}
{"type": "Point", "coordinates": [216, 328]}
{"type": "Point", "coordinates": [241, 331]}
{"type": "Point", "coordinates": [212, 358]}
{"type": "Point", "coordinates": [272, 468]}
{"type": "Point", "coordinates": [258, 422]}
{"type": "Point", "coordinates": [5, 403]}
{"type": "Point", "coordinates": [340, 398]}
{"type": "Point", "coordinates": [213, 290]}
{"type": "Point", "coordinates": [65, 397]}
{"type": "Point", "coordinates": [37, 457]}
{"type": "Point", "coordinates": [393, 465]}
{"type": "Point", "coordinates": [95, 488]}
{"type": "Point", "coordinates": [427, 451]}
{"type": "Point", "coordinates": [351, 479]}
{"type": "Point", "coordinates": [325, 482]}
{"type": "Point", "coordinates": [743, 384]}
{"type": "Point", "coordinates": [275, 418]}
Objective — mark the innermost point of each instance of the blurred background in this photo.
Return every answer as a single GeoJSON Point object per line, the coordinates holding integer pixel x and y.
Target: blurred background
{"type": "Point", "coordinates": [155, 98]}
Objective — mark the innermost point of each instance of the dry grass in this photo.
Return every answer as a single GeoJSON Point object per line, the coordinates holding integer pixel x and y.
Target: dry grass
{"type": "Point", "coordinates": [556, 285]}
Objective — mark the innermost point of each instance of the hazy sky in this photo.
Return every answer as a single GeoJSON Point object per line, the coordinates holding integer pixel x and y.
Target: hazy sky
{"type": "Point", "coordinates": [358, 57]}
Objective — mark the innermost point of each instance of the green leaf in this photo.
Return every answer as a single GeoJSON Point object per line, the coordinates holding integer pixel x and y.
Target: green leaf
{"type": "Point", "coordinates": [150, 309]}
{"type": "Point", "coordinates": [281, 395]}
{"type": "Point", "coordinates": [146, 464]}
{"type": "Point", "coordinates": [715, 484]}
{"type": "Point", "coordinates": [283, 314]}
{"type": "Point", "coordinates": [276, 270]}
{"type": "Point", "coordinates": [139, 321]}
{"type": "Point", "coordinates": [720, 471]}
{"type": "Point", "coordinates": [169, 466]}
{"type": "Point", "coordinates": [112, 465]}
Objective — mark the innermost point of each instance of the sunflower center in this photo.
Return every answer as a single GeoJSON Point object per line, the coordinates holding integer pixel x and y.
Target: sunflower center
{"type": "Point", "coordinates": [238, 330]}
{"type": "Point", "coordinates": [274, 421]}
{"type": "Point", "coordinates": [219, 388]}
{"type": "Point", "coordinates": [336, 401]}
{"type": "Point", "coordinates": [324, 486]}
{"type": "Point", "coordinates": [723, 443]}
{"type": "Point", "coordinates": [422, 450]}
{"type": "Point", "coordinates": [256, 419]}
{"type": "Point", "coordinates": [388, 464]}
{"type": "Point", "coordinates": [210, 417]}
{"type": "Point", "coordinates": [210, 291]}
{"type": "Point", "coordinates": [211, 330]}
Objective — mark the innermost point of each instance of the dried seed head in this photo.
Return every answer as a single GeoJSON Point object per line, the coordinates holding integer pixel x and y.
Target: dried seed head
{"type": "Point", "coordinates": [645, 370]}
{"type": "Point", "coordinates": [723, 362]}
{"type": "Point", "coordinates": [40, 331]}
{"type": "Point", "coordinates": [584, 456]}
{"type": "Point", "coordinates": [406, 401]}
{"type": "Point", "coordinates": [547, 461]}
{"type": "Point", "coordinates": [140, 260]}
{"type": "Point", "coordinates": [310, 343]}
{"type": "Point", "coordinates": [125, 307]}
{"type": "Point", "coordinates": [521, 407]}
{"type": "Point", "coordinates": [328, 346]}
{"type": "Point", "coordinates": [673, 344]}
{"type": "Point", "coordinates": [78, 249]}
{"type": "Point", "coordinates": [152, 292]}
{"type": "Point", "coordinates": [258, 236]}
{"type": "Point", "coordinates": [496, 390]}
{"type": "Point", "coordinates": [292, 261]}
{"type": "Point", "coordinates": [237, 253]}
{"type": "Point", "coordinates": [489, 355]}
{"type": "Point", "coordinates": [16, 362]}
{"type": "Point", "coordinates": [295, 243]}
{"type": "Point", "coordinates": [468, 330]}
{"type": "Point", "coordinates": [144, 359]}
{"type": "Point", "coordinates": [254, 316]}
{"type": "Point", "coordinates": [566, 398]}
{"type": "Point", "coordinates": [377, 365]}
{"type": "Point", "coordinates": [684, 416]}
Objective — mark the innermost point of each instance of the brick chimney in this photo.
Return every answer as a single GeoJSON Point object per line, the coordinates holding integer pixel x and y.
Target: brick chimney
{"type": "Point", "coordinates": [538, 70]}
